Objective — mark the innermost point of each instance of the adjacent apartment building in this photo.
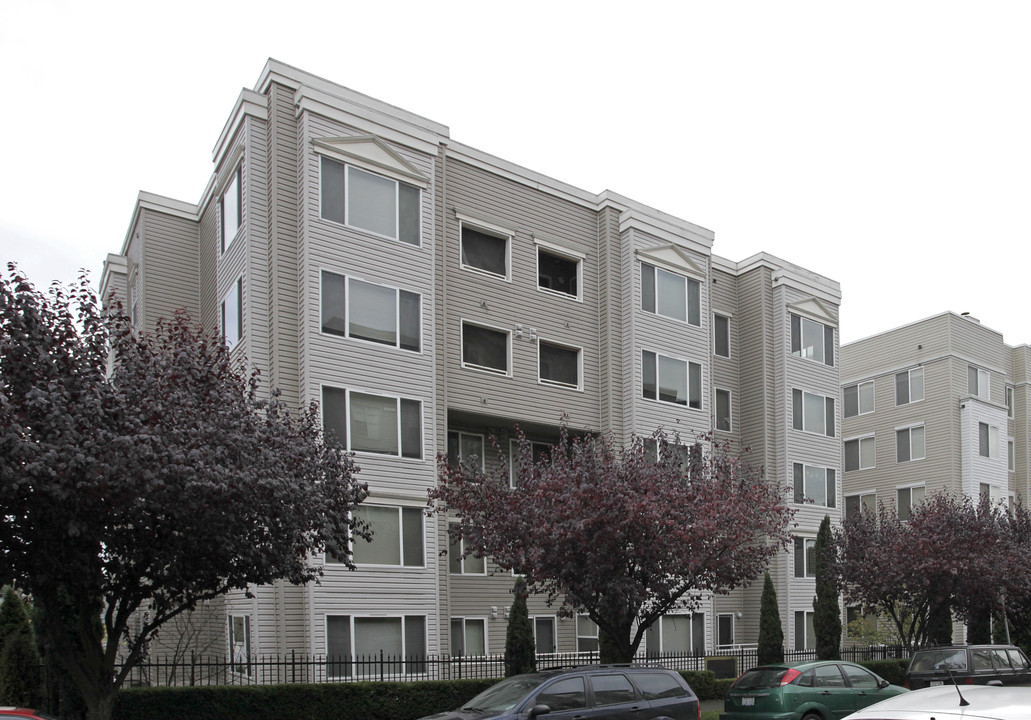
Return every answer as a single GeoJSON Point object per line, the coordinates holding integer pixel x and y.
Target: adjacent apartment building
{"type": "Point", "coordinates": [939, 404]}
{"type": "Point", "coordinates": [431, 296]}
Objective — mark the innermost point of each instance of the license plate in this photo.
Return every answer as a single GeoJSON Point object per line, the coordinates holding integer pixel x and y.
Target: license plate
{"type": "Point", "coordinates": [936, 682]}
{"type": "Point", "coordinates": [746, 702]}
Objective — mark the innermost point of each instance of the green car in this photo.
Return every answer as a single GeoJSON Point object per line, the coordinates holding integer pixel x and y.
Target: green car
{"type": "Point", "coordinates": [827, 690]}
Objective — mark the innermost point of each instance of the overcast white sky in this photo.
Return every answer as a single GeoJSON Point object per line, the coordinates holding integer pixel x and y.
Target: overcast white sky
{"type": "Point", "coordinates": [886, 145]}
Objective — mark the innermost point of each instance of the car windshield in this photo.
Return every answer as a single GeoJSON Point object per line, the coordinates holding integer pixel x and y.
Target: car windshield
{"type": "Point", "coordinates": [760, 678]}
{"type": "Point", "coordinates": [506, 694]}
{"type": "Point", "coordinates": [939, 659]}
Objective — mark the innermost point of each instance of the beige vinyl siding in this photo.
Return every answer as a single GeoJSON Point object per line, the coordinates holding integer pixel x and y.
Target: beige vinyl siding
{"type": "Point", "coordinates": [611, 324]}
{"type": "Point", "coordinates": [282, 152]}
{"type": "Point", "coordinates": [170, 274]}
{"type": "Point", "coordinates": [726, 372]}
{"type": "Point", "coordinates": [502, 304]}
{"type": "Point", "coordinates": [759, 430]}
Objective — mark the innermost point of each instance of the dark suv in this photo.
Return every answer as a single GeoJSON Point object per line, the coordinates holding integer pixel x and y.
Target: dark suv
{"type": "Point", "coordinates": [968, 664]}
{"type": "Point", "coordinates": [590, 692]}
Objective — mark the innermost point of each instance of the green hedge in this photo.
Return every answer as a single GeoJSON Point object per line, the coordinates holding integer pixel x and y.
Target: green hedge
{"type": "Point", "coordinates": [894, 671]}
{"type": "Point", "coordinates": [333, 701]}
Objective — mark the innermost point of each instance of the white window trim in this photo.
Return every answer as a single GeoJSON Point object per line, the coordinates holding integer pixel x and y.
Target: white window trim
{"type": "Point", "coordinates": [483, 444]}
{"type": "Point", "coordinates": [482, 368]}
{"type": "Point", "coordinates": [729, 317]}
{"type": "Point", "coordinates": [579, 635]}
{"type": "Point", "coordinates": [730, 404]}
{"type": "Point", "coordinates": [910, 487]}
{"type": "Point", "coordinates": [513, 454]}
{"type": "Point", "coordinates": [1011, 455]}
{"type": "Point", "coordinates": [248, 644]}
{"type": "Point", "coordinates": [235, 289]}
{"type": "Point", "coordinates": [806, 539]}
{"type": "Point", "coordinates": [403, 617]}
{"type": "Point", "coordinates": [825, 398]}
{"type": "Point", "coordinates": [859, 439]}
{"type": "Point", "coordinates": [486, 634]}
{"type": "Point", "coordinates": [860, 495]}
{"type": "Point", "coordinates": [579, 365]}
{"type": "Point", "coordinates": [347, 409]}
{"type": "Point", "coordinates": [554, 631]}
{"type": "Point", "coordinates": [487, 228]}
{"type": "Point", "coordinates": [461, 550]}
{"type": "Point", "coordinates": [1011, 401]}
{"type": "Point", "coordinates": [994, 441]}
{"type": "Point", "coordinates": [400, 538]}
{"type": "Point", "coordinates": [687, 369]}
{"type": "Point", "coordinates": [805, 497]}
{"type": "Point", "coordinates": [733, 629]}
{"type": "Point", "coordinates": [822, 323]}
{"type": "Point", "coordinates": [859, 396]}
{"type": "Point", "coordinates": [986, 394]}
{"type": "Point", "coordinates": [235, 176]}
{"type": "Point", "coordinates": [909, 381]}
{"type": "Point", "coordinates": [568, 254]}
{"type": "Point", "coordinates": [911, 458]}
{"type": "Point", "coordinates": [347, 312]}
{"type": "Point", "coordinates": [687, 294]}
{"type": "Point", "coordinates": [379, 172]}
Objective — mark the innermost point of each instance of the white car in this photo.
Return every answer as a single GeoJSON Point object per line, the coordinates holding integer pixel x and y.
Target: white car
{"type": "Point", "coordinates": [946, 702]}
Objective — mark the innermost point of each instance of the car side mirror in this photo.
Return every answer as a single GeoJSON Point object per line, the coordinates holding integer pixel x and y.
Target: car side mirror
{"type": "Point", "coordinates": [997, 683]}
{"type": "Point", "coordinates": [881, 684]}
{"type": "Point", "coordinates": [539, 710]}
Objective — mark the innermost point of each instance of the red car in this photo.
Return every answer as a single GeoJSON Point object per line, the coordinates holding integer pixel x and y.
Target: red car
{"type": "Point", "coordinates": [22, 713]}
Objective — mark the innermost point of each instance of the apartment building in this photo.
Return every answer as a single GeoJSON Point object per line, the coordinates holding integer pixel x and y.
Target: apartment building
{"type": "Point", "coordinates": [431, 297]}
{"type": "Point", "coordinates": [939, 404]}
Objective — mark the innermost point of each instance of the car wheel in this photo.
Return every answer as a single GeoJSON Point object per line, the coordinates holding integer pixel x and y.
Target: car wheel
{"type": "Point", "coordinates": [812, 716]}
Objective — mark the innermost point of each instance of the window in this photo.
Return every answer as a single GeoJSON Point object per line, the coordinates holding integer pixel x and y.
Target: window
{"type": "Point", "coordinates": [586, 634]}
{"type": "Point", "coordinates": [372, 423]}
{"type": "Point", "coordinates": [671, 380]}
{"type": "Point", "coordinates": [376, 313]}
{"type": "Point", "coordinates": [465, 448]}
{"type": "Point", "coordinates": [909, 443]}
{"type": "Point", "coordinates": [612, 689]}
{"type": "Point", "coordinates": [361, 199]}
{"type": "Point", "coordinates": [681, 633]}
{"type": "Point", "coordinates": [860, 454]}
{"type": "Point", "coordinates": [987, 441]}
{"type": "Point", "coordinates": [232, 315]}
{"type": "Point", "coordinates": [859, 399]}
{"type": "Point", "coordinates": [814, 485]}
{"type": "Point", "coordinates": [855, 504]}
{"type": "Point", "coordinates": [1011, 455]}
{"type": "Point", "coordinates": [812, 413]}
{"type": "Point", "coordinates": [1009, 401]}
{"type": "Point", "coordinates": [909, 386]}
{"type": "Point", "coordinates": [484, 251]}
{"type": "Point", "coordinates": [805, 557]}
{"type": "Point", "coordinates": [908, 498]}
{"type": "Point", "coordinates": [564, 695]}
{"type": "Point", "coordinates": [721, 335]}
{"type": "Point", "coordinates": [468, 637]}
{"type": "Point", "coordinates": [240, 643]}
{"type": "Point", "coordinates": [457, 565]}
{"type": "Point", "coordinates": [722, 409]}
{"type": "Point", "coordinates": [540, 452]}
{"type": "Point", "coordinates": [812, 340]}
{"type": "Point", "coordinates": [805, 631]}
{"type": "Point", "coordinates": [990, 492]}
{"type": "Point", "coordinates": [544, 634]}
{"type": "Point", "coordinates": [366, 638]}
{"type": "Point", "coordinates": [229, 209]}
{"type": "Point", "coordinates": [725, 630]}
{"type": "Point", "coordinates": [978, 382]}
{"type": "Point", "coordinates": [670, 295]}
{"type": "Point", "coordinates": [484, 348]}
{"type": "Point", "coordinates": [397, 536]}
{"type": "Point", "coordinates": [558, 364]}
{"type": "Point", "coordinates": [558, 273]}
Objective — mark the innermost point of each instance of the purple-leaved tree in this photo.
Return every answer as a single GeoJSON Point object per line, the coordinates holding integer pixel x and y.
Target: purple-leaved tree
{"type": "Point", "coordinates": [614, 533]}
{"type": "Point", "coordinates": [161, 484]}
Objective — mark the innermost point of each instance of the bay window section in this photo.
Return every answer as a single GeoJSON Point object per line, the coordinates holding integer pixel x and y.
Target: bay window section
{"type": "Point", "coordinates": [229, 205]}
{"type": "Point", "coordinates": [815, 485]}
{"type": "Point", "coordinates": [363, 422]}
{"type": "Point", "coordinates": [232, 315]}
{"type": "Point", "coordinates": [361, 199]}
{"type": "Point", "coordinates": [397, 536]}
{"type": "Point", "coordinates": [350, 639]}
{"type": "Point", "coordinates": [670, 380]}
{"type": "Point", "coordinates": [670, 295]}
{"type": "Point", "coordinates": [812, 340]}
{"type": "Point", "coordinates": [812, 413]}
{"type": "Point", "coordinates": [376, 313]}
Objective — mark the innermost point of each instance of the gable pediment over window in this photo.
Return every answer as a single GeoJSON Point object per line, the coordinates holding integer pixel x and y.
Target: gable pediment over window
{"type": "Point", "coordinates": [814, 310]}
{"type": "Point", "coordinates": [371, 153]}
{"type": "Point", "coordinates": [673, 258]}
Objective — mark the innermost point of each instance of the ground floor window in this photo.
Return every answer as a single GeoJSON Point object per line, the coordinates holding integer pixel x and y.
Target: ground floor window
{"type": "Point", "coordinates": [725, 630]}
{"type": "Point", "coordinates": [240, 643]}
{"type": "Point", "coordinates": [805, 632]}
{"type": "Point", "coordinates": [354, 644]}
{"type": "Point", "coordinates": [682, 633]}
{"type": "Point", "coordinates": [586, 634]}
{"type": "Point", "coordinates": [468, 637]}
{"type": "Point", "coordinates": [544, 634]}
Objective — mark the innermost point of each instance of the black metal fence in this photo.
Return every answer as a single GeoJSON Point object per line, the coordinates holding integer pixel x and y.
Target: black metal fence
{"type": "Point", "coordinates": [301, 668]}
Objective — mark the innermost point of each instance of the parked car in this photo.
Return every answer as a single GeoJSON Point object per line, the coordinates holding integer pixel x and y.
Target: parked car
{"type": "Point", "coordinates": [968, 664]}
{"type": "Point", "coordinates": [592, 692]}
{"type": "Point", "coordinates": [944, 703]}
{"type": "Point", "coordinates": [823, 690]}
{"type": "Point", "coordinates": [17, 713]}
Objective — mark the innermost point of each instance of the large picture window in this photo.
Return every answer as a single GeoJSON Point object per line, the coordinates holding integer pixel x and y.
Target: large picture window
{"type": "Point", "coordinates": [358, 198]}
{"type": "Point", "coordinates": [814, 485]}
{"type": "Point", "coordinates": [812, 340]}
{"type": "Point", "coordinates": [363, 422]}
{"type": "Point", "coordinates": [676, 633]}
{"type": "Point", "coordinates": [670, 295]}
{"type": "Point", "coordinates": [351, 638]}
{"type": "Point", "coordinates": [366, 311]}
{"type": "Point", "coordinates": [397, 536]}
{"type": "Point", "coordinates": [812, 413]}
{"type": "Point", "coordinates": [670, 380]}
